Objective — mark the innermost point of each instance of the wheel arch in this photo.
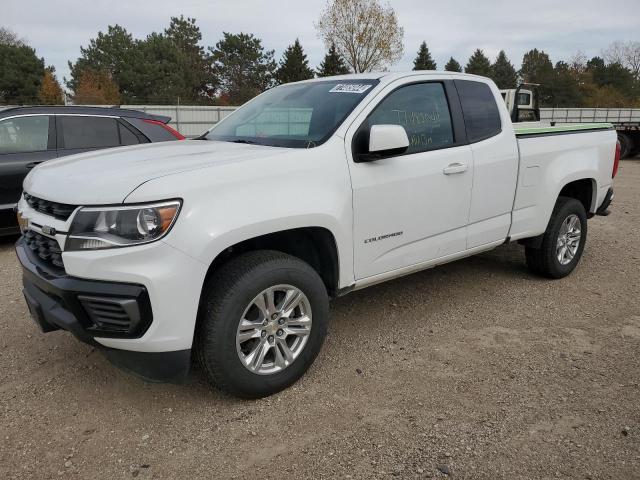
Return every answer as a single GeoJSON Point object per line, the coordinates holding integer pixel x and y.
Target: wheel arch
{"type": "Point", "coordinates": [314, 245]}
{"type": "Point", "coordinates": [582, 189]}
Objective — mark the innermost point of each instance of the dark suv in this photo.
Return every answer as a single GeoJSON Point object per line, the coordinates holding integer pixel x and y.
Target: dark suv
{"type": "Point", "coordinates": [30, 135]}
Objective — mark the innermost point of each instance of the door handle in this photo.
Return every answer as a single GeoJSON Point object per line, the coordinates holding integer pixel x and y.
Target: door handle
{"type": "Point", "coordinates": [33, 164]}
{"type": "Point", "coordinates": [453, 168]}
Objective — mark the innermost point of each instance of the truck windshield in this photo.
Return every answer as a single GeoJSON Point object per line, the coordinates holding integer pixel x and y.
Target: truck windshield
{"type": "Point", "coordinates": [296, 116]}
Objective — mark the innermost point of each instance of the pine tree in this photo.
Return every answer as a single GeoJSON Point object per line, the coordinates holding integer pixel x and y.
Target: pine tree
{"type": "Point", "coordinates": [478, 64]}
{"type": "Point", "coordinates": [294, 65]}
{"type": "Point", "coordinates": [503, 72]}
{"type": "Point", "coordinates": [21, 73]}
{"type": "Point", "coordinates": [333, 64]}
{"type": "Point", "coordinates": [537, 68]}
{"type": "Point", "coordinates": [453, 66]}
{"type": "Point", "coordinates": [423, 60]}
{"type": "Point", "coordinates": [242, 66]}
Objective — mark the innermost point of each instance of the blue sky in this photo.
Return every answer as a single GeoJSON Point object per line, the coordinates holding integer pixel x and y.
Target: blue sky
{"type": "Point", "coordinates": [57, 29]}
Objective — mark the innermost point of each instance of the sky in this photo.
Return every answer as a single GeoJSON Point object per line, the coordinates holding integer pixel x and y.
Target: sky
{"type": "Point", "coordinates": [57, 28]}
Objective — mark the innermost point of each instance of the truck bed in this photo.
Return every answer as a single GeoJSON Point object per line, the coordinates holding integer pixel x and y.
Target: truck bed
{"type": "Point", "coordinates": [524, 129]}
{"type": "Point", "coordinates": [551, 157]}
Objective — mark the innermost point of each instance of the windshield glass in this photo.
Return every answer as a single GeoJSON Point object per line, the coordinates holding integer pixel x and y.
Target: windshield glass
{"type": "Point", "coordinates": [297, 115]}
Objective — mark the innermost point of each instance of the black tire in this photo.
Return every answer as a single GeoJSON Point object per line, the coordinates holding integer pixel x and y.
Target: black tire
{"type": "Point", "coordinates": [225, 297]}
{"type": "Point", "coordinates": [634, 150]}
{"type": "Point", "coordinates": [626, 145]}
{"type": "Point", "coordinates": [543, 261]}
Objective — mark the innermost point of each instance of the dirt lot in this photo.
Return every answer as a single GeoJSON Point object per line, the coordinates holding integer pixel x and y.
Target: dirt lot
{"type": "Point", "coordinates": [476, 368]}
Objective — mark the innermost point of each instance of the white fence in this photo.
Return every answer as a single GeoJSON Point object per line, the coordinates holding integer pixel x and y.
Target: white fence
{"type": "Point", "coordinates": [618, 116]}
{"type": "Point", "coordinates": [189, 120]}
{"type": "Point", "coordinates": [194, 120]}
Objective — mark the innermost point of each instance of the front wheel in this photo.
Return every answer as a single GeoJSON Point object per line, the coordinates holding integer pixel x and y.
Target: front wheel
{"type": "Point", "coordinates": [563, 241]}
{"type": "Point", "coordinates": [262, 324]}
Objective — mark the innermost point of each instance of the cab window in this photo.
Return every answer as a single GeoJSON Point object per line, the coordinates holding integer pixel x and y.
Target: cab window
{"type": "Point", "coordinates": [89, 132]}
{"type": "Point", "coordinates": [481, 114]}
{"type": "Point", "coordinates": [422, 110]}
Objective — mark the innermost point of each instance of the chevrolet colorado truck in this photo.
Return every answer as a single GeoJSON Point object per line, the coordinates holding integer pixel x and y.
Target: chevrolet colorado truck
{"type": "Point", "coordinates": [226, 249]}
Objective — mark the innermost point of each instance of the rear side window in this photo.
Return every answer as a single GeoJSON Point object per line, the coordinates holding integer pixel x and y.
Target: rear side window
{"type": "Point", "coordinates": [127, 137]}
{"type": "Point", "coordinates": [481, 114]}
{"type": "Point", "coordinates": [89, 132]}
{"type": "Point", "coordinates": [24, 134]}
{"type": "Point", "coordinates": [422, 110]}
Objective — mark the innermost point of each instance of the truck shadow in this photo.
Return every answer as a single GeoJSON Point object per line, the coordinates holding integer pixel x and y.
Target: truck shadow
{"type": "Point", "coordinates": [424, 293]}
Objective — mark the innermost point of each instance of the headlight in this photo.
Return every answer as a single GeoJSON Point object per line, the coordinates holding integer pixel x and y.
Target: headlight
{"type": "Point", "coordinates": [109, 227]}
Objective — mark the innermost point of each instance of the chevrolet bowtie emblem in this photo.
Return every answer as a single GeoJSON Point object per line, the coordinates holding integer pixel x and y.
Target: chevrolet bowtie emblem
{"type": "Point", "coordinates": [48, 230]}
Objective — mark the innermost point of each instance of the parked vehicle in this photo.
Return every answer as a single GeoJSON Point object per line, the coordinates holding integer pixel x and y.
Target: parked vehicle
{"type": "Point", "coordinates": [228, 248]}
{"type": "Point", "coordinates": [626, 121]}
{"type": "Point", "coordinates": [30, 135]}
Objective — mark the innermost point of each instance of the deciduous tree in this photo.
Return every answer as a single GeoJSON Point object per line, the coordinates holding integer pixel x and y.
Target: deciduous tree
{"type": "Point", "coordinates": [243, 68]}
{"type": "Point", "coordinates": [366, 33]}
{"type": "Point", "coordinates": [294, 65]}
{"type": "Point", "coordinates": [478, 64]}
{"type": "Point", "coordinates": [333, 64]}
{"type": "Point", "coordinates": [626, 54]}
{"type": "Point", "coordinates": [50, 91]}
{"type": "Point", "coordinates": [95, 87]}
{"type": "Point", "coordinates": [423, 60]}
{"type": "Point", "coordinates": [9, 37]}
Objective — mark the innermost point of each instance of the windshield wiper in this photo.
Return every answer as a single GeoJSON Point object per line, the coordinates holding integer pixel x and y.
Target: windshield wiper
{"type": "Point", "coordinates": [248, 142]}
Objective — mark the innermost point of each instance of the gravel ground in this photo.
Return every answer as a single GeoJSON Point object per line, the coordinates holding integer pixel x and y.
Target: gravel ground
{"type": "Point", "coordinates": [475, 369]}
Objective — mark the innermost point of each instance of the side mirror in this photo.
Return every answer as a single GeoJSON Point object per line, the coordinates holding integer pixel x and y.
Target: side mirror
{"type": "Point", "coordinates": [385, 141]}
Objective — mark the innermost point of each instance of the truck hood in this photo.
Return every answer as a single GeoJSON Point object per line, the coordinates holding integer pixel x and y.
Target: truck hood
{"type": "Point", "coordinates": [109, 176]}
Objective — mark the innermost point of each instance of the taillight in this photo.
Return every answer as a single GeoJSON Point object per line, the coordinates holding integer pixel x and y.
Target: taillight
{"type": "Point", "coordinates": [173, 132]}
{"type": "Point", "coordinates": [616, 161]}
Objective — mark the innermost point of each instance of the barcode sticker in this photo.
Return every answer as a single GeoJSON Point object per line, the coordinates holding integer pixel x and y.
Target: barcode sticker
{"type": "Point", "coordinates": [350, 88]}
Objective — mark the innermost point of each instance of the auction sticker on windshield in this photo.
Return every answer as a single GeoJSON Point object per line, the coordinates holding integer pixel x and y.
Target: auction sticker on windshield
{"type": "Point", "coordinates": [350, 88]}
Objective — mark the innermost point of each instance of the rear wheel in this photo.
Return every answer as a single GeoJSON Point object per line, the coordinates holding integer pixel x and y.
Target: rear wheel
{"type": "Point", "coordinates": [263, 323]}
{"type": "Point", "coordinates": [562, 243]}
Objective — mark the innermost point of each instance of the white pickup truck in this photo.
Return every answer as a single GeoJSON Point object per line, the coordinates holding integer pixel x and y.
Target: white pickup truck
{"type": "Point", "coordinates": [227, 248]}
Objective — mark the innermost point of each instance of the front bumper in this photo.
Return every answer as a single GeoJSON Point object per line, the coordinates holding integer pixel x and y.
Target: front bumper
{"type": "Point", "coordinates": [97, 312]}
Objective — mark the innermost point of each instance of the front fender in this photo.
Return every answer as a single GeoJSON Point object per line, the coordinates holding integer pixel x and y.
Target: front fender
{"type": "Point", "coordinates": [234, 202]}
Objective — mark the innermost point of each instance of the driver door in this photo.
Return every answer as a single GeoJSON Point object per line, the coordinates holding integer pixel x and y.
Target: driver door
{"type": "Point", "coordinates": [413, 207]}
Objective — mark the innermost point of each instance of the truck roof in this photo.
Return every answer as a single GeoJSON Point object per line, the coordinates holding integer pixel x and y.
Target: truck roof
{"type": "Point", "coordinates": [391, 76]}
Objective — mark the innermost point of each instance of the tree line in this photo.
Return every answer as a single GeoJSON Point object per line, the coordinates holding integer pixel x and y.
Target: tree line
{"type": "Point", "coordinates": [173, 66]}
{"type": "Point", "coordinates": [612, 80]}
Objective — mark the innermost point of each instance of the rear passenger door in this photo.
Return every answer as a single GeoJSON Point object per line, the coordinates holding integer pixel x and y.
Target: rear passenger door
{"type": "Point", "coordinates": [81, 133]}
{"type": "Point", "coordinates": [413, 207]}
{"type": "Point", "coordinates": [495, 162]}
{"type": "Point", "coordinates": [25, 141]}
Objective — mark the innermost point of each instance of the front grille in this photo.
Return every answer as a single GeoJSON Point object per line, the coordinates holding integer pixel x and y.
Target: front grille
{"type": "Point", "coordinates": [112, 315]}
{"type": "Point", "coordinates": [46, 248]}
{"type": "Point", "coordinates": [61, 211]}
